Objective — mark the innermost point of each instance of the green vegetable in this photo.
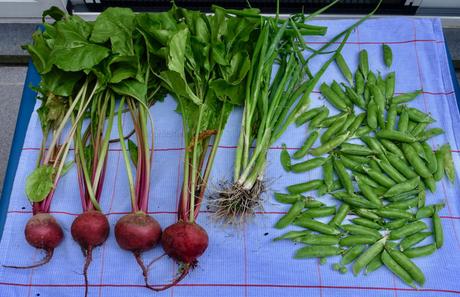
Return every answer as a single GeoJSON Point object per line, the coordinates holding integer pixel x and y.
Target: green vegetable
{"type": "Point", "coordinates": [387, 55]}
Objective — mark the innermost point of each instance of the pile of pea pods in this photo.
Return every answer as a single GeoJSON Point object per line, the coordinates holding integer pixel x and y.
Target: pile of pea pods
{"type": "Point", "coordinates": [380, 177]}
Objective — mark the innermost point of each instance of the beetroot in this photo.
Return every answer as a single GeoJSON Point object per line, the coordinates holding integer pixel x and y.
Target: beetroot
{"type": "Point", "coordinates": [137, 232]}
{"type": "Point", "coordinates": [42, 232]}
{"type": "Point", "coordinates": [184, 241]}
{"type": "Point", "coordinates": [90, 229]}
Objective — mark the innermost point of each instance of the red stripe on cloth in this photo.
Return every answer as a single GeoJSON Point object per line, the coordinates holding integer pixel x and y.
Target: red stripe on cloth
{"type": "Point", "coordinates": [379, 42]}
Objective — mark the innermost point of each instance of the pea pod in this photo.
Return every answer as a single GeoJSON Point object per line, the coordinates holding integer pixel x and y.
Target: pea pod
{"type": "Point", "coordinates": [421, 197]}
{"type": "Point", "coordinates": [412, 240]}
{"type": "Point", "coordinates": [419, 116]}
{"type": "Point", "coordinates": [437, 230]}
{"type": "Point", "coordinates": [372, 115]}
{"type": "Point", "coordinates": [305, 187]}
{"type": "Point", "coordinates": [355, 200]}
{"type": "Point", "coordinates": [318, 239]}
{"type": "Point", "coordinates": [418, 129]}
{"type": "Point", "coordinates": [407, 230]}
{"type": "Point", "coordinates": [340, 215]}
{"type": "Point", "coordinates": [415, 161]}
{"type": "Point", "coordinates": [343, 175]}
{"type": "Point", "coordinates": [360, 230]}
{"type": "Point", "coordinates": [375, 145]}
{"type": "Point", "coordinates": [293, 212]}
{"type": "Point", "coordinates": [303, 151]}
{"type": "Point", "coordinates": [381, 85]}
{"type": "Point", "coordinates": [396, 135]}
{"type": "Point", "coordinates": [328, 173]}
{"type": "Point", "coordinates": [355, 149]}
{"type": "Point", "coordinates": [308, 115]}
{"type": "Point", "coordinates": [425, 135]}
{"type": "Point", "coordinates": [379, 98]}
{"type": "Point", "coordinates": [363, 63]}
{"type": "Point", "coordinates": [291, 235]}
{"type": "Point", "coordinates": [307, 165]}
{"type": "Point", "coordinates": [420, 251]}
{"type": "Point", "coordinates": [448, 162]}
{"type": "Point", "coordinates": [407, 265]}
{"type": "Point", "coordinates": [352, 253]}
{"type": "Point", "coordinates": [403, 196]}
{"type": "Point", "coordinates": [318, 212]}
{"type": "Point", "coordinates": [357, 121]}
{"type": "Point", "coordinates": [350, 164]}
{"type": "Point", "coordinates": [366, 257]}
{"type": "Point", "coordinates": [366, 223]}
{"type": "Point", "coordinates": [367, 213]}
{"type": "Point", "coordinates": [380, 178]}
{"type": "Point", "coordinates": [368, 192]}
{"type": "Point", "coordinates": [332, 97]}
{"type": "Point", "coordinates": [387, 55]}
{"type": "Point", "coordinates": [316, 251]}
{"type": "Point", "coordinates": [357, 239]}
{"type": "Point", "coordinates": [403, 98]}
{"type": "Point", "coordinates": [430, 157]}
{"type": "Point", "coordinates": [350, 119]}
{"type": "Point", "coordinates": [371, 79]}
{"type": "Point", "coordinates": [375, 264]}
{"type": "Point", "coordinates": [356, 158]}
{"type": "Point", "coordinates": [410, 126]}
{"type": "Point", "coordinates": [312, 203]}
{"type": "Point", "coordinates": [316, 226]}
{"type": "Point", "coordinates": [390, 81]}
{"type": "Point", "coordinates": [288, 198]}
{"type": "Point", "coordinates": [398, 163]}
{"type": "Point", "coordinates": [331, 120]}
{"type": "Point", "coordinates": [405, 204]}
{"type": "Point", "coordinates": [323, 190]}
{"type": "Point", "coordinates": [318, 120]}
{"type": "Point", "coordinates": [430, 183]}
{"type": "Point", "coordinates": [391, 147]}
{"type": "Point", "coordinates": [391, 118]}
{"type": "Point", "coordinates": [366, 179]}
{"type": "Point", "coordinates": [343, 66]}
{"type": "Point", "coordinates": [395, 224]}
{"type": "Point", "coordinates": [362, 131]}
{"type": "Point", "coordinates": [394, 267]}
{"type": "Point", "coordinates": [428, 211]}
{"type": "Point", "coordinates": [403, 122]}
{"type": "Point", "coordinates": [392, 172]}
{"type": "Point", "coordinates": [355, 97]}
{"type": "Point", "coordinates": [391, 213]}
{"type": "Point", "coordinates": [405, 186]}
{"type": "Point", "coordinates": [338, 90]}
{"type": "Point", "coordinates": [359, 83]}
{"type": "Point", "coordinates": [330, 145]}
{"type": "Point", "coordinates": [439, 174]}
{"type": "Point", "coordinates": [334, 128]}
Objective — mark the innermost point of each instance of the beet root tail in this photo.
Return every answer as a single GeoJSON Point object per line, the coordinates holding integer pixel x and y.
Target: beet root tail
{"type": "Point", "coordinates": [45, 260]}
{"type": "Point", "coordinates": [89, 258]}
{"type": "Point", "coordinates": [145, 269]}
{"type": "Point", "coordinates": [176, 280]}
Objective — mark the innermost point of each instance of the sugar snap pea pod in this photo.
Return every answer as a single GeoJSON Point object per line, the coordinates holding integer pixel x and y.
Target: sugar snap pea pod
{"type": "Point", "coordinates": [333, 129]}
{"type": "Point", "coordinates": [308, 115]}
{"type": "Point", "coordinates": [305, 187]}
{"type": "Point", "coordinates": [403, 121]}
{"type": "Point", "coordinates": [367, 213]}
{"type": "Point", "coordinates": [392, 172]}
{"type": "Point", "coordinates": [381, 118]}
{"type": "Point", "coordinates": [407, 230]}
{"type": "Point", "coordinates": [338, 90]}
{"type": "Point", "coordinates": [303, 151]}
{"type": "Point", "coordinates": [419, 129]}
{"type": "Point", "coordinates": [404, 204]}
{"type": "Point", "coordinates": [437, 230]}
{"type": "Point", "coordinates": [439, 174]}
{"type": "Point", "coordinates": [368, 192]}
{"type": "Point", "coordinates": [371, 79]}
{"type": "Point", "coordinates": [318, 119]}
{"type": "Point", "coordinates": [391, 118]}
{"type": "Point", "coordinates": [396, 135]}
{"type": "Point", "coordinates": [352, 253]}
{"type": "Point", "coordinates": [359, 159]}
{"type": "Point", "coordinates": [312, 203]}
{"type": "Point", "coordinates": [340, 215]}
{"type": "Point", "coordinates": [387, 55]}
{"type": "Point", "coordinates": [293, 212]}
{"type": "Point", "coordinates": [379, 177]}
{"type": "Point", "coordinates": [307, 165]}
{"type": "Point", "coordinates": [390, 81]}
{"type": "Point", "coordinates": [381, 84]}
{"type": "Point", "coordinates": [330, 145]}
{"type": "Point", "coordinates": [379, 98]}
{"type": "Point", "coordinates": [328, 173]}
{"type": "Point", "coordinates": [359, 83]}
{"type": "Point", "coordinates": [375, 165]}
{"type": "Point", "coordinates": [363, 131]}
{"type": "Point", "coordinates": [420, 251]}
{"type": "Point", "coordinates": [343, 175]}
{"type": "Point", "coordinates": [425, 212]}
{"type": "Point", "coordinates": [366, 257]}
{"type": "Point", "coordinates": [448, 162]}
{"type": "Point", "coordinates": [375, 264]}
{"type": "Point", "coordinates": [323, 190]}
{"type": "Point", "coordinates": [332, 97]}
{"type": "Point", "coordinates": [394, 267]}
{"type": "Point", "coordinates": [425, 135]}
{"type": "Point", "coordinates": [419, 116]}
{"type": "Point", "coordinates": [357, 121]}
{"type": "Point", "coordinates": [403, 98]}
{"type": "Point", "coordinates": [350, 119]}
{"type": "Point", "coordinates": [391, 147]}
{"type": "Point", "coordinates": [355, 149]}
{"type": "Point", "coordinates": [415, 161]}
{"type": "Point", "coordinates": [336, 266]}
{"type": "Point", "coordinates": [372, 115]}
{"type": "Point", "coordinates": [403, 196]}
{"type": "Point", "coordinates": [395, 224]}
{"type": "Point", "coordinates": [374, 144]}
{"type": "Point", "coordinates": [407, 265]}
{"type": "Point", "coordinates": [360, 230]}
{"type": "Point", "coordinates": [412, 240]}
{"type": "Point", "coordinates": [316, 226]}
{"type": "Point", "coordinates": [354, 200]}
{"type": "Point", "coordinates": [363, 63]}
{"type": "Point", "coordinates": [343, 66]}
{"type": "Point", "coordinates": [410, 126]}
{"type": "Point", "coordinates": [292, 235]}
{"type": "Point", "coordinates": [403, 187]}
{"type": "Point", "coordinates": [419, 149]}
{"type": "Point", "coordinates": [318, 239]}
{"type": "Point", "coordinates": [400, 164]}
{"type": "Point", "coordinates": [366, 223]}
{"type": "Point", "coordinates": [357, 239]}
{"type": "Point", "coordinates": [430, 183]}
{"type": "Point", "coordinates": [350, 164]}
{"type": "Point", "coordinates": [430, 157]}
{"type": "Point", "coordinates": [366, 179]}
{"type": "Point", "coordinates": [288, 198]}
{"type": "Point", "coordinates": [421, 196]}
{"type": "Point", "coordinates": [285, 158]}
{"type": "Point", "coordinates": [332, 119]}
{"type": "Point", "coordinates": [367, 93]}
{"type": "Point", "coordinates": [391, 213]}
{"type": "Point", "coordinates": [357, 99]}
{"type": "Point", "coordinates": [318, 212]}
{"type": "Point", "coordinates": [316, 251]}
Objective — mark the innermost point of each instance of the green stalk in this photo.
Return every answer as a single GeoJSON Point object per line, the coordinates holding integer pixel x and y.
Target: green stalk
{"type": "Point", "coordinates": [194, 166]}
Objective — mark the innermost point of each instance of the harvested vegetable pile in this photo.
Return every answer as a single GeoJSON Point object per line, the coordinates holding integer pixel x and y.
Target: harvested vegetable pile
{"type": "Point", "coordinates": [378, 165]}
